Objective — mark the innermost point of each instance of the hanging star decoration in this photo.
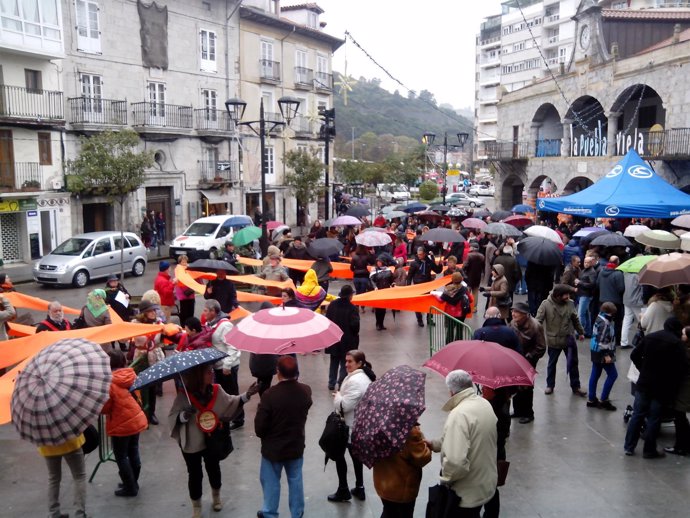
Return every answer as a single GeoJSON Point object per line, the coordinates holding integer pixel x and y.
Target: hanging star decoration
{"type": "Point", "coordinates": [313, 114]}
{"type": "Point", "coordinates": [345, 84]}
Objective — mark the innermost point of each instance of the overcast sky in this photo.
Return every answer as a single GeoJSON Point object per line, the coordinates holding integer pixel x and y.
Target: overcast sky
{"type": "Point", "coordinates": [426, 45]}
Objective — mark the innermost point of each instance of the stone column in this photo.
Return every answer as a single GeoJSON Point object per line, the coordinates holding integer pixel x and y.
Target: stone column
{"type": "Point", "coordinates": [534, 136]}
{"type": "Point", "coordinates": [612, 130]}
{"type": "Point", "coordinates": [566, 145]}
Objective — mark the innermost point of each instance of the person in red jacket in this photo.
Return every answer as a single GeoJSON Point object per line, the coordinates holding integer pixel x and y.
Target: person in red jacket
{"type": "Point", "coordinates": [124, 421]}
{"type": "Point", "coordinates": [165, 287]}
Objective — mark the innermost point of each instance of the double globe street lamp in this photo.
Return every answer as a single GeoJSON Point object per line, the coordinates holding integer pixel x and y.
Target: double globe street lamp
{"type": "Point", "coordinates": [288, 109]}
{"type": "Point", "coordinates": [429, 141]}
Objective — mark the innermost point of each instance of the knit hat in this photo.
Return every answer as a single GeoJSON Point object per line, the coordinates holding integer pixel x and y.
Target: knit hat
{"type": "Point", "coordinates": [163, 265]}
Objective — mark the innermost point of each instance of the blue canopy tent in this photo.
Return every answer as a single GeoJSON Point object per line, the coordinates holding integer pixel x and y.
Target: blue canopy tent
{"type": "Point", "coordinates": [630, 190]}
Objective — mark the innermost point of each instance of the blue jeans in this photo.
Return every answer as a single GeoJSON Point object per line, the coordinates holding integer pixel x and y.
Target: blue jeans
{"type": "Point", "coordinates": [551, 368]}
{"type": "Point", "coordinates": [611, 376]}
{"type": "Point", "coordinates": [645, 406]}
{"type": "Point", "coordinates": [583, 314]}
{"type": "Point", "coordinates": [362, 284]}
{"type": "Point", "coordinates": [269, 473]}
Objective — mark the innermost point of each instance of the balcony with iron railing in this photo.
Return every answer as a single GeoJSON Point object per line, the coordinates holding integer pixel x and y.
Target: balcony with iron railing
{"type": "Point", "coordinates": [507, 151]}
{"type": "Point", "coordinates": [269, 71]}
{"type": "Point", "coordinates": [218, 171]}
{"type": "Point", "coordinates": [19, 104]}
{"type": "Point", "coordinates": [670, 144]}
{"type": "Point", "coordinates": [323, 81]}
{"type": "Point", "coordinates": [152, 118]}
{"type": "Point", "coordinates": [208, 121]}
{"type": "Point", "coordinates": [20, 176]}
{"type": "Point", "coordinates": [86, 111]}
{"type": "Point", "coordinates": [302, 126]}
{"type": "Point", "coordinates": [304, 78]}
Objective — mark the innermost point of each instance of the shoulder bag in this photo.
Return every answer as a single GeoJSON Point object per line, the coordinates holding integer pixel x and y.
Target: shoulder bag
{"type": "Point", "coordinates": [334, 437]}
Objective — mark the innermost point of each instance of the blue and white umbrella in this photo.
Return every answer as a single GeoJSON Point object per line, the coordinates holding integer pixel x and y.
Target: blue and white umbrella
{"type": "Point", "coordinates": [175, 365]}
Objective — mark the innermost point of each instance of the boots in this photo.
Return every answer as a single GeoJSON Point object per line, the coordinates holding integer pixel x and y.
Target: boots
{"type": "Point", "coordinates": [129, 486]}
{"type": "Point", "coordinates": [217, 504]}
{"type": "Point", "coordinates": [341, 495]}
{"type": "Point", "coordinates": [196, 508]}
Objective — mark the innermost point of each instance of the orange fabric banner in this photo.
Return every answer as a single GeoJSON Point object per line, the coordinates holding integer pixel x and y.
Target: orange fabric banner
{"type": "Point", "coordinates": [243, 296]}
{"type": "Point", "coordinates": [20, 300]}
{"type": "Point", "coordinates": [238, 313]}
{"type": "Point", "coordinates": [340, 270]}
{"type": "Point", "coordinates": [404, 298]}
{"type": "Point", "coordinates": [20, 329]}
{"type": "Point", "coordinates": [185, 278]}
{"type": "Point", "coordinates": [418, 304]}
{"type": "Point", "coordinates": [258, 281]}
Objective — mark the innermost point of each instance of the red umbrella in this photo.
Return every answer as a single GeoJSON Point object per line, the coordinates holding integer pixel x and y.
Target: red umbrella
{"type": "Point", "coordinates": [284, 331]}
{"type": "Point", "coordinates": [272, 225]}
{"type": "Point", "coordinates": [518, 221]}
{"type": "Point", "coordinates": [489, 363]}
{"type": "Point", "coordinates": [473, 223]}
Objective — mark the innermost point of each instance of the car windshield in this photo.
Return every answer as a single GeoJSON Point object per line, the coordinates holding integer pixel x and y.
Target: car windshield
{"type": "Point", "coordinates": [201, 229]}
{"type": "Point", "coordinates": [73, 246]}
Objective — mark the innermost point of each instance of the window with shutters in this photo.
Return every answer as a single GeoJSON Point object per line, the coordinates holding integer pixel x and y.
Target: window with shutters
{"type": "Point", "coordinates": [270, 164]}
{"type": "Point", "coordinates": [92, 92]}
{"type": "Point", "coordinates": [157, 99]}
{"type": "Point", "coordinates": [33, 79]}
{"type": "Point", "coordinates": [45, 155]}
{"type": "Point", "coordinates": [208, 50]}
{"type": "Point", "coordinates": [88, 27]}
{"type": "Point", "coordinates": [210, 100]}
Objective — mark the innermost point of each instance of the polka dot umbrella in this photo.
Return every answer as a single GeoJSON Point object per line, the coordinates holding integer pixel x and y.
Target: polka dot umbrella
{"type": "Point", "coordinates": [175, 365]}
{"type": "Point", "coordinates": [284, 330]}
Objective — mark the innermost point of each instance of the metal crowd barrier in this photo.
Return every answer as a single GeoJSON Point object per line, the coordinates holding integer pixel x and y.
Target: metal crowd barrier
{"type": "Point", "coordinates": [105, 447]}
{"type": "Point", "coordinates": [444, 329]}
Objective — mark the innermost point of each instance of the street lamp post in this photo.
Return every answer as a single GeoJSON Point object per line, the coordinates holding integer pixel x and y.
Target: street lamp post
{"type": "Point", "coordinates": [288, 109]}
{"type": "Point", "coordinates": [429, 141]}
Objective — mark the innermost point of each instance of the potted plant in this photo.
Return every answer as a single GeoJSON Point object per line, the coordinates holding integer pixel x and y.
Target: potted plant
{"type": "Point", "coordinates": [31, 185]}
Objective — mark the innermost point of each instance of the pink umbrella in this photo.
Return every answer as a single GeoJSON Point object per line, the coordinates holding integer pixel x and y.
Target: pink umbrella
{"type": "Point", "coordinates": [473, 223]}
{"type": "Point", "coordinates": [518, 220]}
{"type": "Point", "coordinates": [489, 363]}
{"type": "Point", "coordinates": [284, 331]}
{"type": "Point", "coordinates": [272, 225]}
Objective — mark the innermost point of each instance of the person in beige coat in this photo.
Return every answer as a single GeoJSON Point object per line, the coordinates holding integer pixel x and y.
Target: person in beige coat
{"type": "Point", "coordinates": [468, 446]}
{"type": "Point", "coordinates": [499, 293]}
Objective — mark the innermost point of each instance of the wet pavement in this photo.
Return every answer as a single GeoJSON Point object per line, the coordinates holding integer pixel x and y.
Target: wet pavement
{"type": "Point", "coordinates": [568, 463]}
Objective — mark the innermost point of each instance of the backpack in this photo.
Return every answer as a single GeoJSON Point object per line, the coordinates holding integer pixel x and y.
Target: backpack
{"type": "Point", "coordinates": [462, 309]}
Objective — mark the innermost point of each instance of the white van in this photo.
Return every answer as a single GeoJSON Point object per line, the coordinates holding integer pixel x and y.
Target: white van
{"type": "Point", "coordinates": [393, 193]}
{"type": "Point", "coordinates": [206, 236]}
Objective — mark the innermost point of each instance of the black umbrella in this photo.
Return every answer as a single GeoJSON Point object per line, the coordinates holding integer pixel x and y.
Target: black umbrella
{"type": "Point", "coordinates": [442, 235]}
{"type": "Point", "coordinates": [502, 229]}
{"type": "Point", "coordinates": [176, 364]}
{"type": "Point", "coordinates": [585, 241]}
{"type": "Point", "coordinates": [212, 265]}
{"type": "Point", "coordinates": [610, 239]}
{"type": "Point", "coordinates": [324, 247]}
{"type": "Point", "coordinates": [440, 208]}
{"type": "Point", "coordinates": [414, 207]}
{"type": "Point", "coordinates": [481, 213]}
{"type": "Point", "coordinates": [500, 215]}
{"type": "Point", "coordinates": [358, 211]}
{"type": "Point", "coordinates": [540, 250]}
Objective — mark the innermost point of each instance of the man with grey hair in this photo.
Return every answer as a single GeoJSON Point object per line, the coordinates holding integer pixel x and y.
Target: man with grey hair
{"type": "Point", "coordinates": [468, 448]}
{"type": "Point", "coordinates": [225, 370]}
{"type": "Point", "coordinates": [55, 321]}
{"type": "Point", "coordinates": [420, 272]}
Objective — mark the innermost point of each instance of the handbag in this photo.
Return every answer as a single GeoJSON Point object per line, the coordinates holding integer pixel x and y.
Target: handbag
{"type": "Point", "coordinates": [443, 502]}
{"type": "Point", "coordinates": [639, 336]}
{"type": "Point", "coordinates": [91, 439]}
{"type": "Point", "coordinates": [334, 437]}
{"type": "Point", "coordinates": [504, 302]}
{"type": "Point", "coordinates": [502, 467]}
{"type": "Point", "coordinates": [219, 442]}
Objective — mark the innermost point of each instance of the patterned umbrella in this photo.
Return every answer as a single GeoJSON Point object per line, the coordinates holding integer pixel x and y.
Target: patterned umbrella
{"type": "Point", "coordinates": [386, 414]}
{"type": "Point", "coordinates": [373, 238]}
{"type": "Point", "coordinates": [176, 364]}
{"type": "Point", "coordinates": [284, 331]}
{"type": "Point", "coordinates": [61, 391]}
{"type": "Point", "coordinates": [489, 363]}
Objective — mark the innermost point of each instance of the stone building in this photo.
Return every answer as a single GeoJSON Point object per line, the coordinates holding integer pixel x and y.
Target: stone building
{"type": "Point", "coordinates": [624, 86]}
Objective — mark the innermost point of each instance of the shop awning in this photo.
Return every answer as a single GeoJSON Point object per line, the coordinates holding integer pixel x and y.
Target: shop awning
{"type": "Point", "coordinates": [214, 197]}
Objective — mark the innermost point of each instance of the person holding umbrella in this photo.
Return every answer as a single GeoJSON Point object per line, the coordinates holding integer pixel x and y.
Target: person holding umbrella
{"type": "Point", "coordinates": [195, 414]}
{"type": "Point", "coordinates": [222, 290]}
{"type": "Point", "coordinates": [359, 377]}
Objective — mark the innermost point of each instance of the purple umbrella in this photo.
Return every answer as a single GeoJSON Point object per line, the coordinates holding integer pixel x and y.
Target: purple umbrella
{"type": "Point", "coordinates": [387, 413]}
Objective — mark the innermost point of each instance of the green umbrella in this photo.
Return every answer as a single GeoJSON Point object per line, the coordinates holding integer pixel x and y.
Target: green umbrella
{"type": "Point", "coordinates": [635, 264]}
{"type": "Point", "coordinates": [246, 236]}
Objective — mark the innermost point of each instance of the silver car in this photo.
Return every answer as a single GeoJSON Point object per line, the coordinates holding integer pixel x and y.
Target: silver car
{"type": "Point", "coordinates": [463, 200]}
{"type": "Point", "coordinates": [90, 256]}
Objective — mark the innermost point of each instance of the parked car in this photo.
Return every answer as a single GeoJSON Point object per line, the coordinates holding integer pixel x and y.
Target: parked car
{"type": "Point", "coordinates": [90, 256]}
{"type": "Point", "coordinates": [482, 190]}
{"type": "Point", "coordinates": [462, 199]}
{"type": "Point", "coordinates": [206, 236]}
{"type": "Point", "coordinates": [393, 193]}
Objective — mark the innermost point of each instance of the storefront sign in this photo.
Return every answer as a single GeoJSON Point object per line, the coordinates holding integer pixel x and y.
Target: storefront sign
{"type": "Point", "coordinates": [17, 205]}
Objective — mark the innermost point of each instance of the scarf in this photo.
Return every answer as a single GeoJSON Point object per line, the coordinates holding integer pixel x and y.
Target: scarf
{"type": "Point", "coordinates": [95, 301]}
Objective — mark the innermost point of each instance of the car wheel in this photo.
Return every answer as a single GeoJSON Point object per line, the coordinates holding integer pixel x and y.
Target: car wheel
{"type": "Point", "coordinates": [138, 268]}
{"type": "Point", "coordinates": [213, 253]}
{"type": "Point", "coordinates": [472, 204]}
{"type": "Point", "coordinates": [80, 279]}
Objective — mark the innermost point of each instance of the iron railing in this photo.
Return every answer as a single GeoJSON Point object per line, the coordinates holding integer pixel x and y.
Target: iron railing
{"type": "Point", "coordinates": [94, 110]}
{"type": "Point", "coordinates": [671, 143]}
{"type": "Point", "coordinates": [547, 147]}
{"type": "Point", "coordinates": [209, 120]}
{"type": "Point", "coordinates": [323, 81]}
{"type": "Point", "coordinates": [507, 150]}
{"type": "Point", "coordinates": [161, 115]}
{"type": "Point", "coordinates": [302, 125]}
{"type": "Point", "coordinates": [20, 175]}
{"type": "Point", "coordinates": [304, 77]}
{"type": "Point", "coordinates": [29, 103]}
{"type": "Point", "coordinates": [444, 329]}
{"type": "Point", "coordinates": [218, 171]}
{"type": "Point", "coordinates": [270, 70]}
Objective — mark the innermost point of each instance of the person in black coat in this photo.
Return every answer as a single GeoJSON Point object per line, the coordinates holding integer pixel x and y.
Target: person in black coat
{"type": "Point", "coordinates": [496, 330]}
{"type": "Point", "coordinates": [539, 280]}
{"type": "Point", "coordinates": [222, 290]}
{"type": "Point", "coordinates": [420, 272]}
{"type": "Point", "coordinates": [263, 366]}
{"type": "Point", "coordinates": [662, 362]}
{"type": "Point", "coordinates": [345, 315]}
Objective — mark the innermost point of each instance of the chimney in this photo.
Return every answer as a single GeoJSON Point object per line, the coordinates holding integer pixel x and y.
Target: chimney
{"type": "Point", "coordinates": [614, 50]}
{"type": "Point", "coordinates": [676, 33]}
